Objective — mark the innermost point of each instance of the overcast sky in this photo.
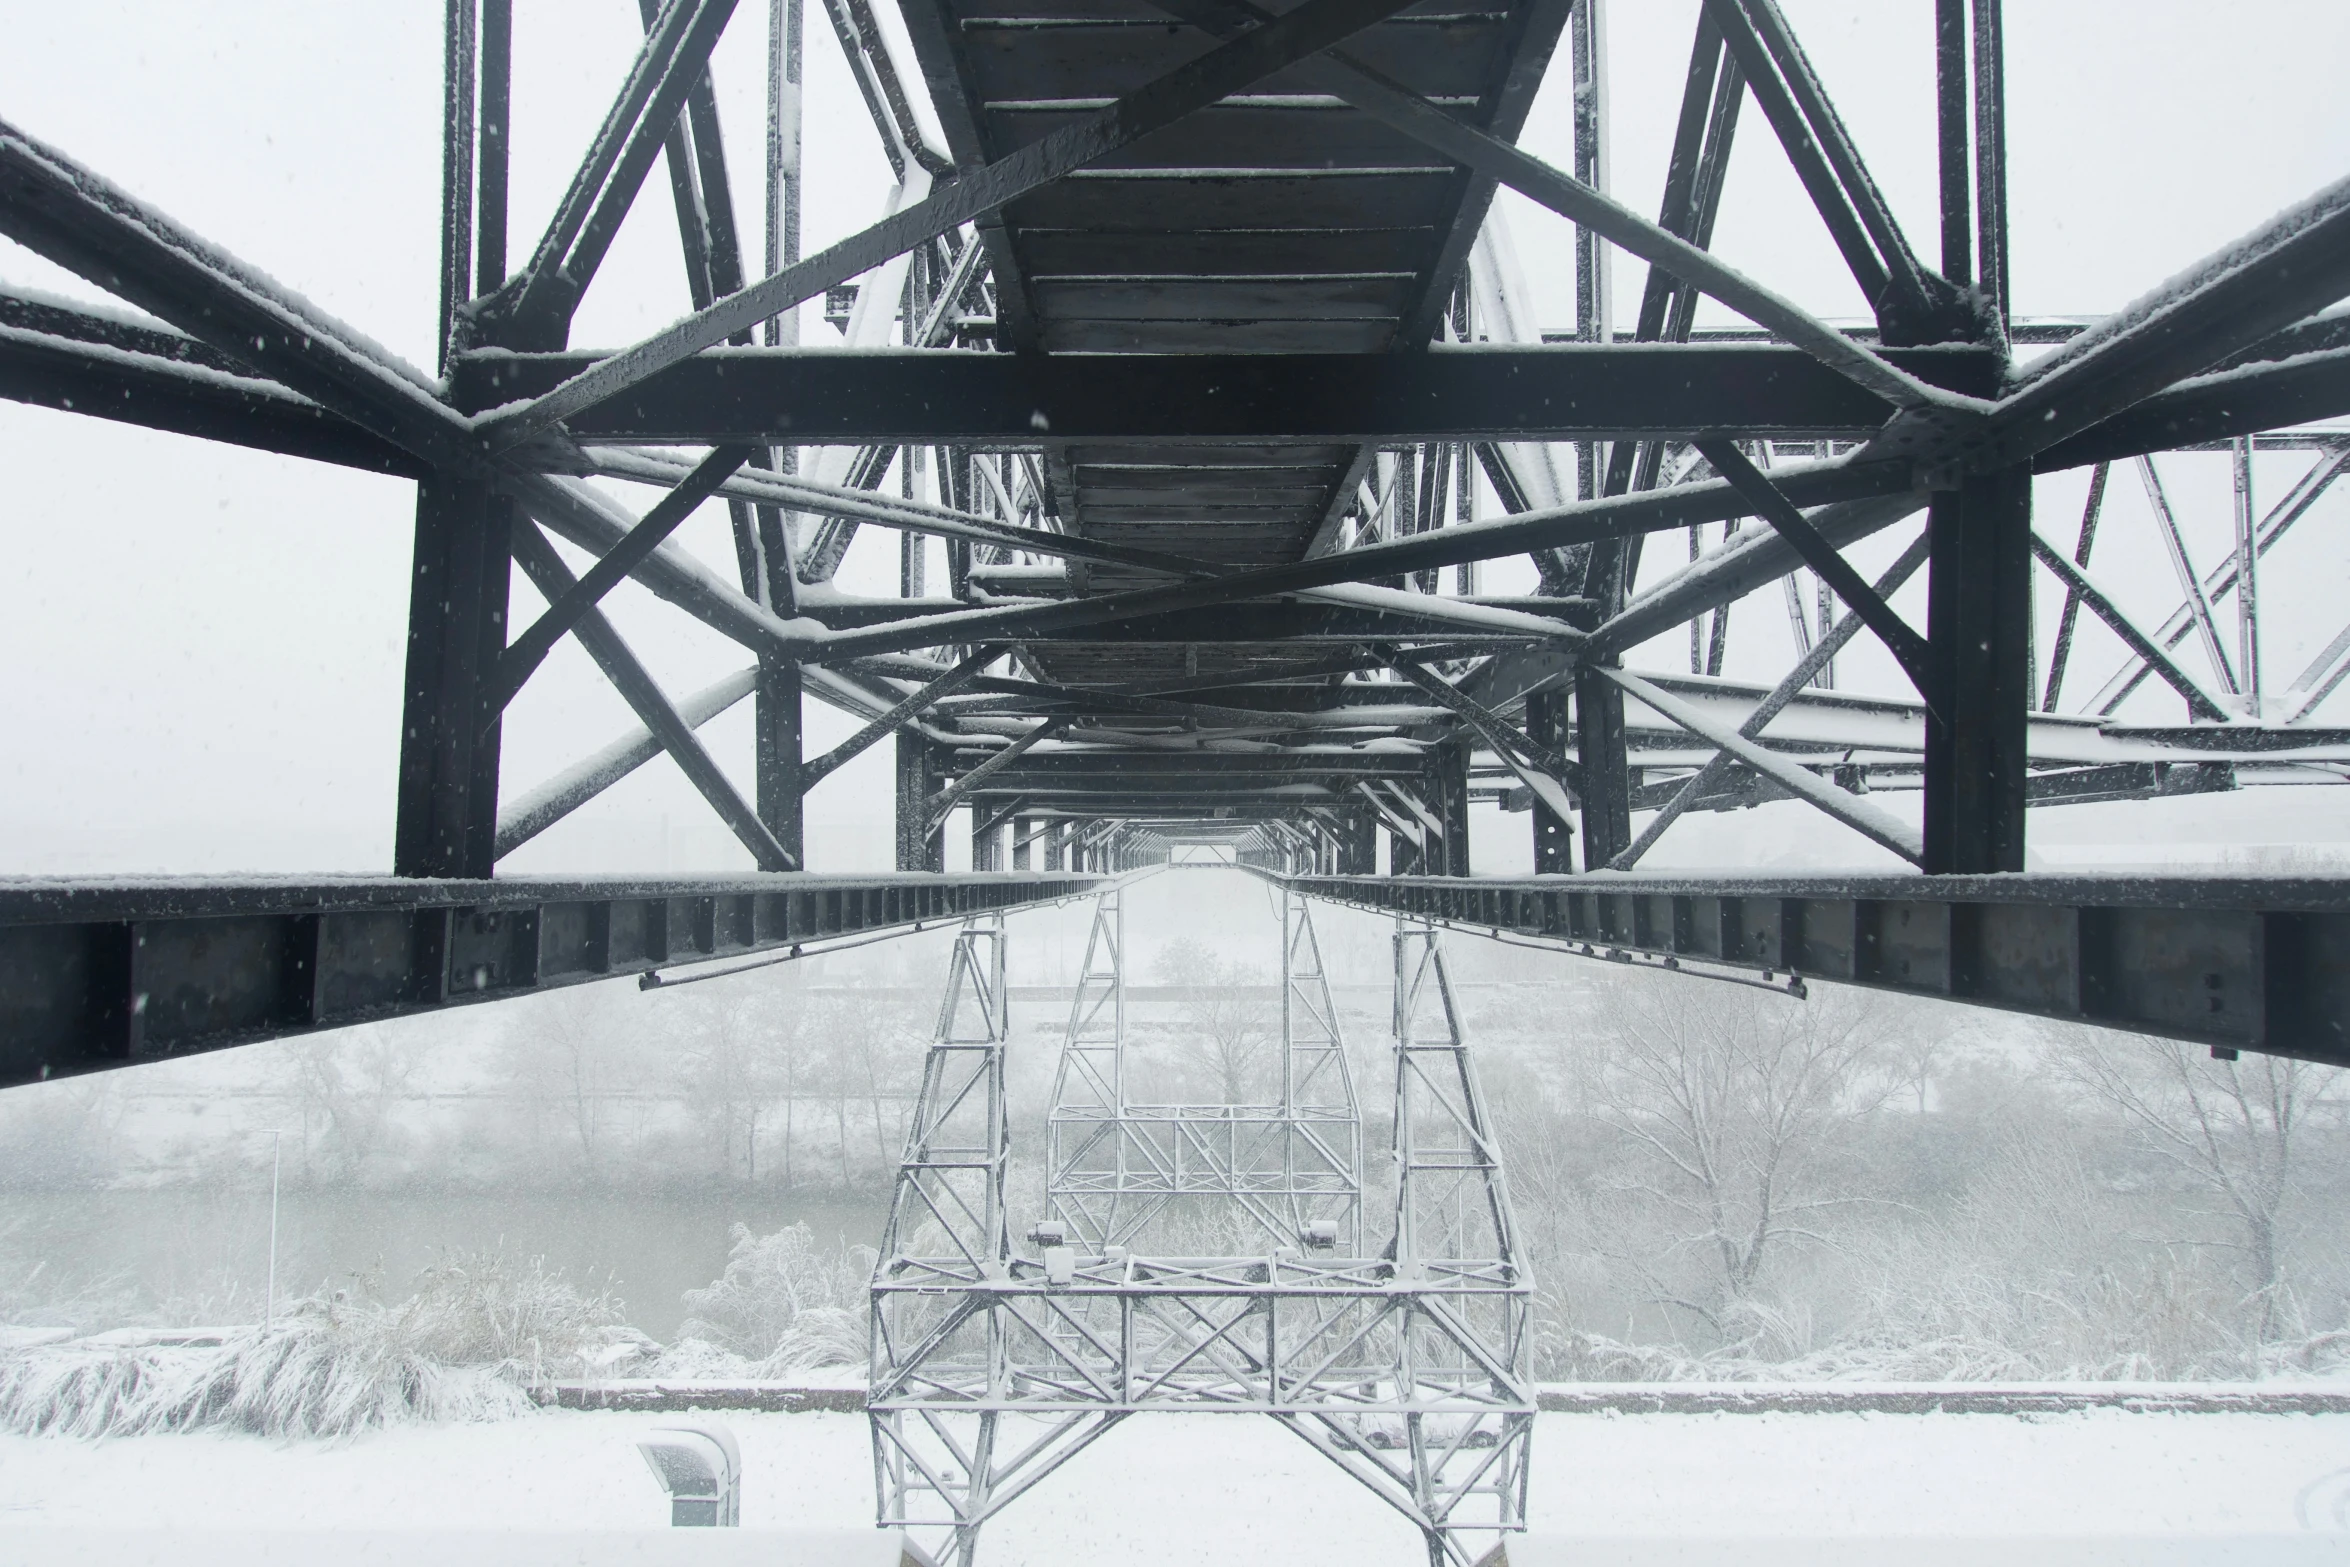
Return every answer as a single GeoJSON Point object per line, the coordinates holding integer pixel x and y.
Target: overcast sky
{"type": "Point", "coordinates": [203, 645]}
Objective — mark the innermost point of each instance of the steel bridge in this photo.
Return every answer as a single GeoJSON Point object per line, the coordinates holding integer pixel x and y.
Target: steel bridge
{"type": "Point", "coordinates": [1193, 335]}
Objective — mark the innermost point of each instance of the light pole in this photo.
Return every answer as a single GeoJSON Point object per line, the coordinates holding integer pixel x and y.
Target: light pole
{"type": "Point", "coordinates": [277, 1140]}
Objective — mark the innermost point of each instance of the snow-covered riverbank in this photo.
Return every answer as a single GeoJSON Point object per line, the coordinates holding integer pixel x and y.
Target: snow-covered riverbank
{"type": "Point", "coordinates": [1180, 1488]}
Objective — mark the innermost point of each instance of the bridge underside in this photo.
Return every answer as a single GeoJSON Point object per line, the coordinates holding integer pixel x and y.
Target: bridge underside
{"type": "Point", "coordinates": [1273, 520]}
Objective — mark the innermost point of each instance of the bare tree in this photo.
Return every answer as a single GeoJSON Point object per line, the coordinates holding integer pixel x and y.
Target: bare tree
{"type": "Point", "coordinates": [349, 1086]}
{"type": "Point", "coordinates": [874, 1047]}
{"type": "Point", "coordinates": [2232, 1127]}
{"type": "Point", "coordinates": [1727, 1102]}
{"type": "Point", "coordinates": [734, 1071]}
{"type": "Point", "coordinates": [560, 1063]}
{"type": "Point", "coordinates": [61, 1133]}
{"type": "Point", "coordinates": [1917, 1062]}
{"type": "Point", "coordinates": [1229, 1029]}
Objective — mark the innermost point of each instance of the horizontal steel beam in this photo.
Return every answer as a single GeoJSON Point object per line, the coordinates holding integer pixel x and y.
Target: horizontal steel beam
{"type": "Point", "coordinates": [184, 396]}
{"type": "Point", "coordinates": [2218, 407]}
{"type": "Point", "coordinates": [2238, 963]}
{"type": "Point", "coordinates": [112, 973]}
{"type": "Point", "coordinates": [1564, 392]}
{"type": "Point", "coordinates": [1273, 620]}
{"type": "Point", "coordinates": [1122, 763]}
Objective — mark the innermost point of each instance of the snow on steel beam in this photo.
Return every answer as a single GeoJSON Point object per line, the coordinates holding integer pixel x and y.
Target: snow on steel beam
{"type": "Point", "coordinates": [2238, 963]}
{"type": "Point", "coordinates": [792, 492]}
{"type": "Point", "coordinates": [2292, 266]}
{"type": "Point", "coordinates": [1567, 391]}
{"type": "Point", "coordinates": [1582, 522]}
{"type": "Point", "coordinates": [1754, 557]}
{"type": "Point", "coordinates": [185, 398]}
{"type": "Point", "coordinates": [2243, 401]}
{"type": "Point", "coordinates": [1850, 809]}
{"type": "Point", "coordinates": [119, 971]}
{"type": "Point", "coordinates": [1194, 85]}
{"type": "Point", "coordinates": [652, 706]}
{"type": "Point", "coordinates": [525, 818]}
{"type": "Point", "coordinates": [1268, 620]}
{"type": "Point", "coordinates": [1772, 703]}
{"type": "Point", "coordinates": [538, 302]}
{"type": "Point", "coordinates": [1067, 764]}
{"type": "Point", "coordinates": [82, 222]}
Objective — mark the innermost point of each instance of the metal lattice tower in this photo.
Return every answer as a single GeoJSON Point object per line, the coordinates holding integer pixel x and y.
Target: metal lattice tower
{"type": "Point", "coordinates": [948, 1340]}
{"type": "Point", "coordinates": [1289, 1170]}
{"type": "Point", "coordinates": [993, 1366]}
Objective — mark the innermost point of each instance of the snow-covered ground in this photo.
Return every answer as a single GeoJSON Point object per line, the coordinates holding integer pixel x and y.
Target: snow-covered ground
{"type": "Point", "coordinates": [1185, 1488]}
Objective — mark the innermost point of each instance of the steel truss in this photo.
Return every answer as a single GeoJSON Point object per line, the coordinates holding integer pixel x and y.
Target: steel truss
{"type": "Point", "coordinates": [994, 1364]}
{"type": "Point", "coordinates": [1200, 350]}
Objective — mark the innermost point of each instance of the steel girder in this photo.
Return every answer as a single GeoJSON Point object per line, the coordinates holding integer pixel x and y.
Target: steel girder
{"type": "Point", "coordinates": [117, 972]}
{"type": "Point", "coordinates": [2238, 963]}
{"type": "Point", "coordinates": [1217, 468]}
{"type": "Point", "coordinates": [1567, 392]}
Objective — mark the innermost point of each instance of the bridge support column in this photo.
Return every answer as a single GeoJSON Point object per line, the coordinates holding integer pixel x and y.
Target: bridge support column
{"type": "Point", "coordinates": [1979, 641]}
{"type": "Point", "coordinates": [1554, 835]}
{"type": "Point", "coordinates": [1358, 845]}
{"type": "Point", "coordinates": [1404, 857]}
{"type": "Point", "coordinates": [782, 804]}
{"type": "Point", "coordinates": [1600, 755]}
{"type": "Point", "coordinates": [1448, 795]}
{"type": "Point", "coordinates": [920, 848]}
{"type": "Point", "coordinates": [447, 821]}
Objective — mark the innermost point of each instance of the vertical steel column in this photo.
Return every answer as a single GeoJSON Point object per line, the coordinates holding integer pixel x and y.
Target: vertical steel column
{"type": "Point", "coordinates": [1601, 758]}
{"type": "Point", "coordinates": [956, 486]}
{"type": "Point", "coordinates": [447, 807]}
{"type": "Point", "coordinates": [458, 66]}
{"type": "Point", "coordinates": [497, 113]}
{"type": "Point", "coordinates": [1358, 845]}
{"type": "Point", "coordinates": [777, 745]}
{"type": "Point", "coordinates": [783, 173]}
{"type": "Point", "coordinates": [447, 821]}
{"type": "Point", "coordinates": [1952, 143]}
{"type": "Point", "coordinates": [1023, 841]}
{"type": "Point", "coordinates": [1587, 43]}
{"type": "Point", "coordinates": [1991, 157]}
{"type": "Point", "coordinates": [1403, 856]}
{"type": "Point", "coordinates": [920, 848]}
{"type": "Point", "coordinates": [1979, 638]}
{"type": "Point", "coordinates": [2247, 579]}
{"type": "Point", "coordinates": [1554, 835]}
{"type": "Point", "coordinates": [1448, 792]}
{"type": "Point", "coordinates": [779, 700]}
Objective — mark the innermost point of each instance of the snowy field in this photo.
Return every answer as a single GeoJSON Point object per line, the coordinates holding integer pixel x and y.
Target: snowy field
{"type": "Point", "coordinates": [1187, 1488]}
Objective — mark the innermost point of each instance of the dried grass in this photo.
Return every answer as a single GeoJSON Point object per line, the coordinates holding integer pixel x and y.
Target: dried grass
{"type": "Point", "coordinates": [479, 1332]}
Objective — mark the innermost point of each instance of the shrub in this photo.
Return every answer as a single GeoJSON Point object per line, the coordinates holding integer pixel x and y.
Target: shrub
{"type": "Point", "coordinates": [479, 1331]}
{"type": "Point", "coordinates": [781, 1306]}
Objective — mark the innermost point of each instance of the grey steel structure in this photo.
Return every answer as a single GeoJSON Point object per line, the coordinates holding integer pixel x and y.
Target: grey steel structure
{"type": "Point", "coordinates": [1285, 1172]}
{"type": "Point", "coordinates": [1190, 335]}
{"type": "Point", "coordinates": [994, 1361]}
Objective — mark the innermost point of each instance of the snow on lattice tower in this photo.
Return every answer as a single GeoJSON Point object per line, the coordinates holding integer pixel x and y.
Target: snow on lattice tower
{"type": "Point", "coordinates": [994, 1362]}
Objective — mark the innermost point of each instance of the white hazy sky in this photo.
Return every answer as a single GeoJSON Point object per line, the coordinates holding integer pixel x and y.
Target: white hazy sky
{"type": "Point", "coordinates": [202, 645]}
